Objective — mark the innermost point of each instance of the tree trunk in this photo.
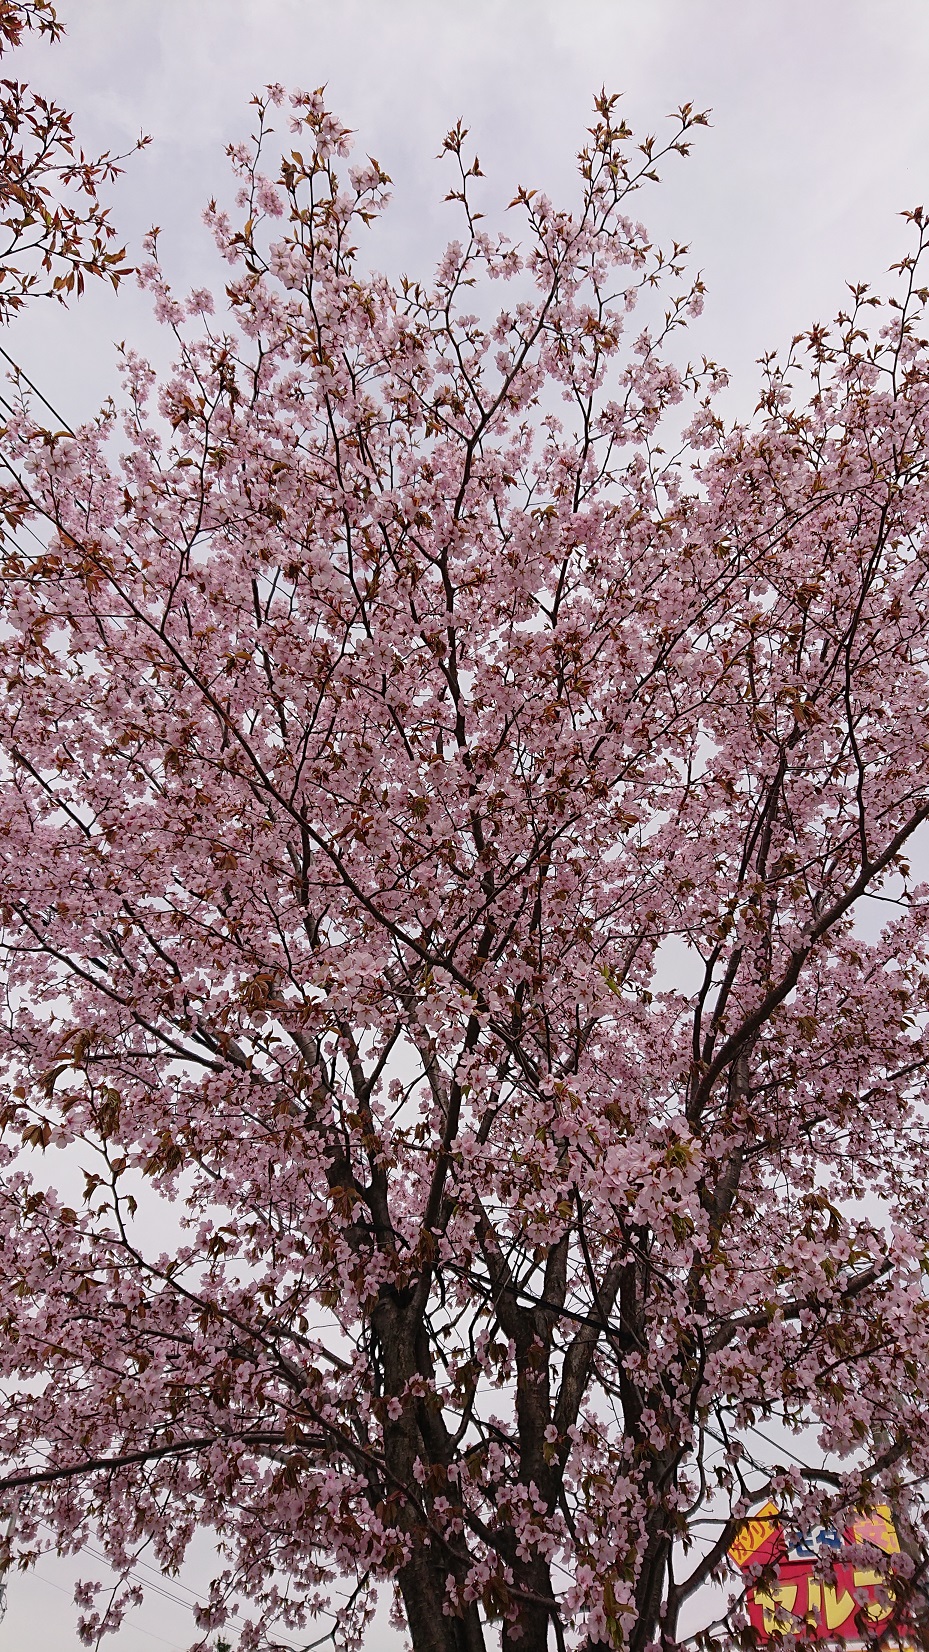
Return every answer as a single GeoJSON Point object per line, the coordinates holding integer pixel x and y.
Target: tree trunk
{"type": "Point", "coordinates": [422, 1586]}
{"type": "Point", "coordinates": [650, 1589]}
{"type": "Point", "coordinates": [423, 1580]}
{"type": "Point", "coordinates": [530, 1631]}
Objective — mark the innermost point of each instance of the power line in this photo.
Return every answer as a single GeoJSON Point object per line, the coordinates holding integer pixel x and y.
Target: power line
{"type": "Point", "coordinates": [43, 399]}
{"type": "Point", "coordinates": [137, 1627]}
{"type": "Point", "coordinates": [158, 1588]}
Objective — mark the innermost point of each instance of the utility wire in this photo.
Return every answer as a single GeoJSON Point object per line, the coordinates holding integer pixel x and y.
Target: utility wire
{"type": "Point", "coordinates": [43, 399]}
{"type": "Point", "coordinates": [136, 1627]}
{"type": "Point", "coordinates": [158, 1588]}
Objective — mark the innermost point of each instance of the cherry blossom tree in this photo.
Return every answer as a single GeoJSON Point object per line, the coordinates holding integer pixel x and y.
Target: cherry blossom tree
{"type": "Point", "coordinates": [458, 808]}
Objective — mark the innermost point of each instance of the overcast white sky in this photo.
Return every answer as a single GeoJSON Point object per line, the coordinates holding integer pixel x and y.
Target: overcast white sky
{"type": "Point", "coordinates": [820, 138]}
